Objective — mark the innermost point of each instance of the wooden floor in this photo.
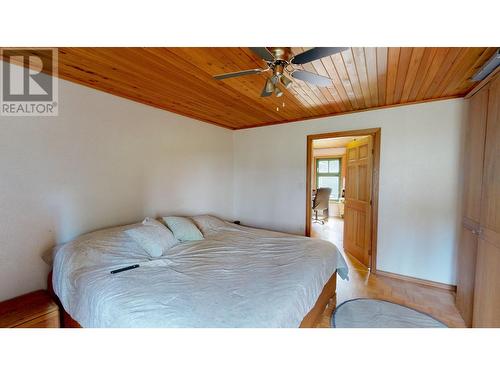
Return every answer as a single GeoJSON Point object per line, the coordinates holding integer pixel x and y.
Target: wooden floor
{"type": "Point", "coordinates": [436, 302]}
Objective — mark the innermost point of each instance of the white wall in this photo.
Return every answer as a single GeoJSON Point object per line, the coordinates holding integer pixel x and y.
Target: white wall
{"type": "Point", "coordinates": [419, 182]}
{"type": "Point", "coordinates": [103, 161]}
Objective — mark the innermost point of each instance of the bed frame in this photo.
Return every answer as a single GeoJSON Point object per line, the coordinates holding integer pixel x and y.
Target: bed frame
{"type": "Point", "coordinates": [310, 320]}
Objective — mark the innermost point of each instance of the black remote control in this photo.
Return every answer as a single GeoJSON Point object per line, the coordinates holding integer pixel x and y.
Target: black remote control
{"type": "Point", "coordinates": [125, 268]}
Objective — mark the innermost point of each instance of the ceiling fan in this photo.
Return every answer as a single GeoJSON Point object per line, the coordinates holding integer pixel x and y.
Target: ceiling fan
{"type": "Point", "coordinates": [280, 60]}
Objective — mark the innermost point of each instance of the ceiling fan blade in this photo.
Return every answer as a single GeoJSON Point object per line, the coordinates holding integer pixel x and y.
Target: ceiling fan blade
{"type": "Point", "coordinates": [312, 78]}
{"type": "Point", "coordinates": [237, 74]}
{"type": "Point", "coordinates": [316, 53]}
{"type": "Point", "coordinates": [263, 52]}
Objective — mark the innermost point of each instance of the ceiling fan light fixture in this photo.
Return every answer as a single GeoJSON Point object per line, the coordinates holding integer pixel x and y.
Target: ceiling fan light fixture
{"type": "Point", "coordinates": [269, 86]}
{"type": "Point", "coordinates": [277, 91]}
{"type": "Point", "coordinates": [285, 81]}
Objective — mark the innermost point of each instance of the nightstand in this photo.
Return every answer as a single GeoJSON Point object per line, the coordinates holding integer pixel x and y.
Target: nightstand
{"type": "Point", "coordinates": [32, 310]}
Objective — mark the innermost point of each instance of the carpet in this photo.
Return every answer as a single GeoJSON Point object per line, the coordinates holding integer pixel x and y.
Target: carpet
{"type": "Point", "coordinates": [375, 313]}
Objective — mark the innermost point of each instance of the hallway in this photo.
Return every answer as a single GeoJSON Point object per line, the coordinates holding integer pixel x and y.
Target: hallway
{"type": "Point", "coordinates": [437, 302]}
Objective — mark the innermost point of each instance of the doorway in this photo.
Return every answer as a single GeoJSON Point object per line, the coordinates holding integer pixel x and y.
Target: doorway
{"type": "Point", "coordinates": [342, 191]}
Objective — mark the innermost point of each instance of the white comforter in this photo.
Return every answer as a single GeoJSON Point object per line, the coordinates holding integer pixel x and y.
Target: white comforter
{"type": "Point", "coordinates": [235, 277]}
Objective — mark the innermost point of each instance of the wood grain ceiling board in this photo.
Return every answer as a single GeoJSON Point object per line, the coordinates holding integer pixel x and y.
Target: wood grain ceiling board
{"type": "Point", "coordinates": [180, 80]}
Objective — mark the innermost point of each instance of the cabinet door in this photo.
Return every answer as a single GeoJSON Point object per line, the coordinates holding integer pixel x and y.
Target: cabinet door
{"type": "Point", "coordinates": [474, 154]}
{"type": "Point", "coordinates": [473, 174]}
{"type": "Point", "coordinates": [487, 294]}
{"type": "Point", "coordinates": [487, 288]}
{"type": "Point", "coordinates": [466, 273]}
{"type": "Point", "coordinates": [490, 209]}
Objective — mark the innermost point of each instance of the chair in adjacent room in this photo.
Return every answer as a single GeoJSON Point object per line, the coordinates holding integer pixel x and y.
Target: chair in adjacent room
{"type": "Point", "coordinates": [320, 203]}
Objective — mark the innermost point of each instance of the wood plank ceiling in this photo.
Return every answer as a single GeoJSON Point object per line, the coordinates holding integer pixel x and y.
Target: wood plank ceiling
{"type": "Point", "coordinates": [180, 80]}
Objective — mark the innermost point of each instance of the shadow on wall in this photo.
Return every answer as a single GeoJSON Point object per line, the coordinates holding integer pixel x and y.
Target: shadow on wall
{"type": "Point", "coordinates": [69, 214]}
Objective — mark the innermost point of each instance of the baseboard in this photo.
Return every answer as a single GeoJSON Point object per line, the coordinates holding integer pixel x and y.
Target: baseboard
{"type": "Point", "coordinates": [415, 280]}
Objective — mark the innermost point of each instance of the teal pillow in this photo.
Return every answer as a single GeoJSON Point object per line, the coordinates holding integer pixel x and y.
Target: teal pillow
{"type": "Point", "coordinates": [183, 228]}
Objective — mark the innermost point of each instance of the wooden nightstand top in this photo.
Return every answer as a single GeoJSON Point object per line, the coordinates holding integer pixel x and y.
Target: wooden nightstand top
{"type": "Point", "coordinates": [27, 308]}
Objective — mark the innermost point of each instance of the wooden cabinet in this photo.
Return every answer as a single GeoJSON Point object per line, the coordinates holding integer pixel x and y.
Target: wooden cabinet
{"type": "Point", "coordinates": [487, 284]}
{"type": "Point", "coordinates": [478, 284]}
{"type": "Point", "coordinates": [32, 310]}
{"type": "Point", "coordinates": [473, 175]}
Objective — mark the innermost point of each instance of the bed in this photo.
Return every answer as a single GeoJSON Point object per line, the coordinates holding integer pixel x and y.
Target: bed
{"type": "Point", "coordinates": [235, 277]}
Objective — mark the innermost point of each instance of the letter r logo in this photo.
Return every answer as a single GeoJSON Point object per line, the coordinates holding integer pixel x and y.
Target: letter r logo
{"type": "Point", "coordinates": [30, 84]}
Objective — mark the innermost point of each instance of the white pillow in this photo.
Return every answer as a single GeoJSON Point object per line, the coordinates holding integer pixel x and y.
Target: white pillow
{"type": "Point", "coordinates": [153, 237]}
{"type": "Point", "coordinates": [183, 228]}
{"type": "Point", "coordinates": [209, 224]}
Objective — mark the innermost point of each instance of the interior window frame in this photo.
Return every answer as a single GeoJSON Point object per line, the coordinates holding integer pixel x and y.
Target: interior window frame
{"type": "Point", "coordinates": [330, 174]}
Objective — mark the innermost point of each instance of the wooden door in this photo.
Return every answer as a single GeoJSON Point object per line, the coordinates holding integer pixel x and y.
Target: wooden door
{"type": "Point", "coordinates": [487, 282]}
{"type": "Point", "coordinates": [473, 174]}
{"type": "Point", "coordinates": [358, 200]}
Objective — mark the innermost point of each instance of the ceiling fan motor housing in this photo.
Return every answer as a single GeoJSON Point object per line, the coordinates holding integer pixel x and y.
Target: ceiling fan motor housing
{"type": "Point", "coordinates": [281, 53]}
{"type": "Point", "coordinates": [278, 68]}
